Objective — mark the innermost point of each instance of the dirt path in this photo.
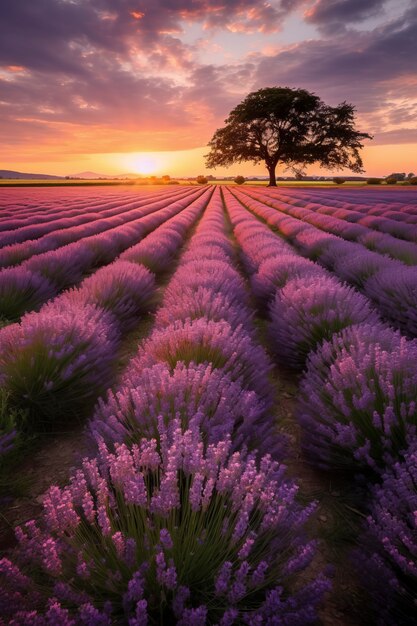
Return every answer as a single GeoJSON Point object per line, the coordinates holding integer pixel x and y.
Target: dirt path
{"type": "Point", "coordinates": [48, 464]}
{"type": "Point", "coordinates": [334, 523]}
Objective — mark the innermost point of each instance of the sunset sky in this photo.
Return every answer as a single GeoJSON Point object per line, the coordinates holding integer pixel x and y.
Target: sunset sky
{"type": "Point", "coordinates": [119, 86]}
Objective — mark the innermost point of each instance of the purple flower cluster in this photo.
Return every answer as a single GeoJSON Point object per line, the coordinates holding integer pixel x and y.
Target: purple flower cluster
{"type": "Point", "coordinates": [387, 558]}
{"type": "Point", "coordinates": [394, 290]}
{"type": "Point", "coordinates": [55, 362]}
{"type": "Point", "coordinates": [358, 399]}
{"type": "Point", "coordinates": [191, 393]}
{"type": "Point", "coordinates": [122, 288]}
{"type": "Point", "coordinates": [308, 311]}
{"type": "Point", "coordinates": [277, 271]}
{"type": "Point", "coordinates": [189, 534]}
{"type": "Point", "coordinates": [21, 289]}
{"type": "Point", "coordinates": [205, 341]}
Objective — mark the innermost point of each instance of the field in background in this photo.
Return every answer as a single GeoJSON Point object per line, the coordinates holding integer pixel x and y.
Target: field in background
{"type": "Point", "coordinates": [154, 246]}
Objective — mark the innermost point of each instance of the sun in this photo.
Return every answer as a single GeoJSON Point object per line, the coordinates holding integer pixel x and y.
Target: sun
{"type": "Point", "coordinates": [145, 165]}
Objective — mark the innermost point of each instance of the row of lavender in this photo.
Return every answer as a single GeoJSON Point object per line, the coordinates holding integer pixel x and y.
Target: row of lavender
{"type": "Point", "coordinates": [44, 275]}
{"type": "Point", "coordinates": [390, 285]}
{"type": "Point", "coordinates": [54, 364]}
{"type": "Point", "coordinates": [378, 240]}
{"type": "Point", "coordinates": [358, 399]}
{"type": "Point", "coordinates": [19, 209]}
{"type": "Point", "coordinates": [174, 521]}
{"type": "Point", "coordinates": [355, 206]}
{"type": "Point", "coordinates": [36, 228]}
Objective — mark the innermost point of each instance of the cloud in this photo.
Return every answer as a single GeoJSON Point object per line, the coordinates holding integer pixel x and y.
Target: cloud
{"type": "Point", "coordinates": [334, 15]}
{"type": "Point", "coordinates": [57, 35]}
{"type": "Point", "coordinates": [369, 69]}
{"type": "Point", "coordinates": [120, 75]}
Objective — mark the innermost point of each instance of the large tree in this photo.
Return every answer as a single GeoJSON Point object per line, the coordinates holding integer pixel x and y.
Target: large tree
{"type": "Point", "coordinates": [288, 126]}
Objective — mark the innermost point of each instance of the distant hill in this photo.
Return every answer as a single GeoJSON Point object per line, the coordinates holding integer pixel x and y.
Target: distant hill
{"type": "Point", "coordinates": [24, 175]}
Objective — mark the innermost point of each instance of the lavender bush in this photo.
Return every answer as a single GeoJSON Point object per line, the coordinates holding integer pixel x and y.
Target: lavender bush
{"type": "Point", "coordinates": [275, 272]}
{"type": "Point", "coordinates": [20, 290]}
{"type": "Point", "coordinates": [124, 289]}
{"type": "Point", "coordinates": [180, 536]}
{"type": "Point", "coordinates": [55, 362]}
{"type": "Point", "coordinates": [195, 302]}
{"type": "Point", "coordinates": [219, 276]}
{"type": "Point", "coordinates": [62, 267]}
{"type": "Point", "coordinates": [156, 251]}
{"type": "Point", "coordinates": [358, 399]}
{"type": "Point", "coordinates": [394, 290]}
{"type": "Point", "coordinates": [358, 268]}
{"type": "Point", "coordinates": [204, 341]}
{"type": "Point", "coordinates": [307, 311]}
{"type": "Point", "coordinates": [387, 561]}
{"type": "Point", "coordinates": [189, 393]}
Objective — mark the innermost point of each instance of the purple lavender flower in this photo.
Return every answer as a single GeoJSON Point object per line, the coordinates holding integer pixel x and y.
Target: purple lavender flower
{"type": "Point", "coordinates": [215, 343]}
{"type": "Point", "coordinates": [124, 289]}
{"type": "Point", "coordinates": [156, 250]}
{"type": "Point", "coordinates": [385, 244]}
{"type": "Point", "coordinates": [193, 393]}
{"type": "Point", "coordinates": [22, 290]}
{"type": "Point", "coordinates": [216, 275]}
{"type": "Point", "coordinates": [275, 272]}
{"type": "Point", "coordinates": [387, 559]}
{"type": "Point", "coordinates": [308, 311]}
{"type": "Point", "coordinates": [55, 362]}
{"type": "Point", "coordinates": [62, 267]}
{"type": "Point", "coordinates": [180, 559]}
{"type": "Point", "coordinates": [196, 302]}
{"type": "Point", "coordinates": [394, 290]}
{"type": "Point", "coordinates": [358, 399]}
{"type": "Point", "coordinates": [356, 268]}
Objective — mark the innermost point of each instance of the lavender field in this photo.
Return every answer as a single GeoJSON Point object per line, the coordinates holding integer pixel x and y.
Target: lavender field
{"type": "Point", "coordinates": [237, 368]}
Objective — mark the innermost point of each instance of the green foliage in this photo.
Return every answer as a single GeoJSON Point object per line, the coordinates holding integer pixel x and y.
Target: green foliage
{"type": "Point", "coordinates": [201, 180]}
{"type": "Point", "coordinates": [12, 423]}
{"type": "Point", "coordinates": [413, 180]}
{"type": "Point", "coordinates": [373, 181]}
{"type": "Point", "coordinates": [11, 418]}
{"type": "Point", "coordinates": [391, 180]}
{"type": "Point", "coordinates": [289, 126]}
{"type": "Point", "coordinates": [239, 180]}
{"type": "Point", "coordinates": [338, 180]}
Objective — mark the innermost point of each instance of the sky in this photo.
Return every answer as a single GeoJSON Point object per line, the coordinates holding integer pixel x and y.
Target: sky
{"type": "Point", "coordinates": [120, 86]}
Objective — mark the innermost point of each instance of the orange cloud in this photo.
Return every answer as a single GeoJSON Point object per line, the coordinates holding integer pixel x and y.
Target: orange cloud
{"type": "Point", "coordinates": [15, 68]}
{"type": "Point", "coordinates": [138, 15]}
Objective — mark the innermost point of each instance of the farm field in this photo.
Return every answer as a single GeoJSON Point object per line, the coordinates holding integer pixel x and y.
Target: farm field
{"type": "Point", "coordinates": [208, 405]}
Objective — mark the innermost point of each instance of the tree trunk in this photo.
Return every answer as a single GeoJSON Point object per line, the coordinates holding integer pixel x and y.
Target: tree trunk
{"type": "Point", "coordinates": [272, 179]}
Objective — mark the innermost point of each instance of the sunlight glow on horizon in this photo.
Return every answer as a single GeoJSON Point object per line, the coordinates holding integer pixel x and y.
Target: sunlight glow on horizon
{"type": "Point", "coordinates": [379, 160]}
{"type": "Point", "coordinates": [143, 164]}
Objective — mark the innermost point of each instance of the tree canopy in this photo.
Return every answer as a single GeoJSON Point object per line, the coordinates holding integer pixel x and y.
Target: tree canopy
{"type": "Point", "coordinates": [288, 126]}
